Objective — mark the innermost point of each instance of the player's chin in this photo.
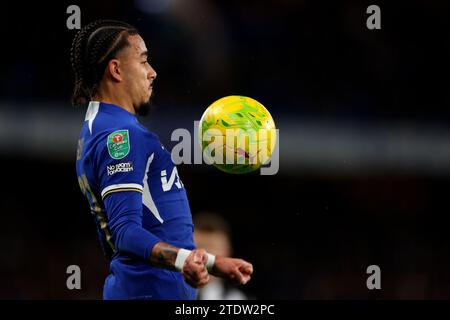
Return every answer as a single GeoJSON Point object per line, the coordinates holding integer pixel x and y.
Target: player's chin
{"type": "Point", "coordinates": [144, 108]}
{"type": "Point", "coordinates": [149, 96]}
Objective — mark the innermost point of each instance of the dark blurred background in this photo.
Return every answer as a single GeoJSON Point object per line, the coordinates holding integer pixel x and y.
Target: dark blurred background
{"type": "Point", "coordinates": [364, 141]}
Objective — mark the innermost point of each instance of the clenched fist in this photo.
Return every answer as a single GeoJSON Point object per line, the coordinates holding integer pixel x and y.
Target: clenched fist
{"type": "Point", "coordinates": [237, 271]}
{"type": "Point", "coordinates": [194, 269]}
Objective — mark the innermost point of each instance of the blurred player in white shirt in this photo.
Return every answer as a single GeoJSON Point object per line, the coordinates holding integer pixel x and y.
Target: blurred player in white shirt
{"type": "Point", "coordinates": [212, 232]}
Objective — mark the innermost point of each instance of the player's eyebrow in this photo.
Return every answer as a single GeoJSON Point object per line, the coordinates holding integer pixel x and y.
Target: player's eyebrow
{"type": "Point", "coordinates": [144, 54]}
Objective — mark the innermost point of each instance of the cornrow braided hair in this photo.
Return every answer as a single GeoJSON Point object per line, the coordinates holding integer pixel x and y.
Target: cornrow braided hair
{"type": "Point", "coordinates": [92, 49]}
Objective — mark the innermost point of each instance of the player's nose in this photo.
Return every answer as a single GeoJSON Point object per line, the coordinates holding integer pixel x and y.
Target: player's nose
{"type": "Point", "coordinates": [151, 73]}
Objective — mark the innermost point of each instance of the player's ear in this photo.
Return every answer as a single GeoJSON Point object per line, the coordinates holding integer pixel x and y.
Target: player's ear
{"type": "Point", "coordinates": [113, 70]}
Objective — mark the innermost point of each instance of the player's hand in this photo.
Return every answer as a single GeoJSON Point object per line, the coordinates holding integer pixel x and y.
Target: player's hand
{"type": "Point", "coordinates": [237, 271]}
{"type": "Point", "coordinates": [194, 269]}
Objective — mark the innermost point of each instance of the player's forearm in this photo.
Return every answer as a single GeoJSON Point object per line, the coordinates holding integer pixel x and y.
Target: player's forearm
{"type": "Point", "coordinates": [215, 270]}
{"type": "Point", "coordinates": [164, 255]}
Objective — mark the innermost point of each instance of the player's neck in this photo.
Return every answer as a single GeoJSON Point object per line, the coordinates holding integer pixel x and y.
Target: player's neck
{"type": "Point", "coordinates": [114, 97]}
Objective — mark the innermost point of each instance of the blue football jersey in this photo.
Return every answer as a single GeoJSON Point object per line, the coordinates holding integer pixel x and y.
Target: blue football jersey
{"type": "Point", "coordinates": [137, 199]}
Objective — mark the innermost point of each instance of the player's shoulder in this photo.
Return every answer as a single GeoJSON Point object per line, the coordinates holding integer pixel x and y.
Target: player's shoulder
{"type": "Point", "coordinates": [127, 136]}
{"type": "Point", "coordinates": [133, 129]}
{"type": "Point", "coordinates": [107, 125]}
{"type": "Point", "coordinates": [133, 133]}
